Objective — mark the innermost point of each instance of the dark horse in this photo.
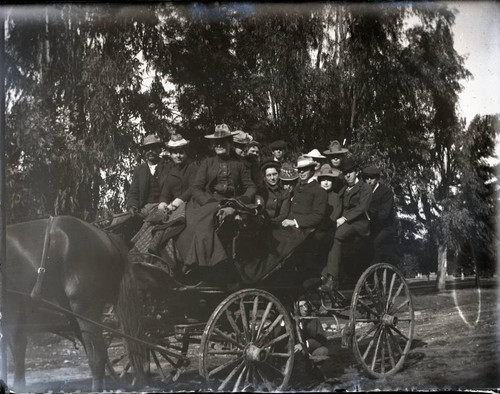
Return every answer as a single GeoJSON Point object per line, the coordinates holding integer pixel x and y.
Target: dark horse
{"type": "Point", "coordinates": [86, 269]}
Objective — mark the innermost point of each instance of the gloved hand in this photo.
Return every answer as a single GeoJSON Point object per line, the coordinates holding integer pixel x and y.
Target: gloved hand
{"type": "Point", "coordinates": [175, 204]}
{"type": "Point", "coordinates": [224, 212]}
{"type": "Point", "coordinates": [132, 211]}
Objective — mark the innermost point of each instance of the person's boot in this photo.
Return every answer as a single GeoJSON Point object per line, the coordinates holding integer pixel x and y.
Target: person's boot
{"type": "Point", "coordinates": [330, 284]}
{"type": "Point", "coordinates": [155, 245]}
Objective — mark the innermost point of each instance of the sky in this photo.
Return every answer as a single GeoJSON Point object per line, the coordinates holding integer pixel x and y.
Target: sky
{"type": "Point", "coordinates": [477, 37]}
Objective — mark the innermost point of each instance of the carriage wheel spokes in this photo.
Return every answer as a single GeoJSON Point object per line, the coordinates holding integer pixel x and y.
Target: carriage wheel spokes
{"type": "Point", "coordinates": [248, 343]}
{"type": "Point", "coordinates": [383, 320]}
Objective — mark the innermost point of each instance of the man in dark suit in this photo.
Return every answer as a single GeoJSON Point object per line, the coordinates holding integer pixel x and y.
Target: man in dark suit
{"type": "Point", "coordinates": [147, 180]}
{"type": "Point", "coordinates": [355, 196]}
{"type": "Point", "coordinates": [309, 199]}
{"type": "Point", "coordinates": [381, 212]}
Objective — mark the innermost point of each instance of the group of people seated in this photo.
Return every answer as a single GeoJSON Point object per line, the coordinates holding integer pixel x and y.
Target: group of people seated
{"type": "Point", "coordinates": [329, 193]}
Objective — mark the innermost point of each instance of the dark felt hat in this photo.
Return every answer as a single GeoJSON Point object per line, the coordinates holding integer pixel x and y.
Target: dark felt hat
{"type": "Point", "coordinates": [270, 164]}
{"type": "Point", "coordinates": [335, 149]}
{"type": "Point", "coordinates": [328, 172]}
{"type": "Point", "coordinates": [371, 171]}
{"type": "Point", "coordinates": [279, 144]}
{"type": "Point", "coordinates": [151, 140]}
{"type": "Point", "coordinates": [222, 131]}
{"type": "Point", "coordinates": [348, 164]}
{"type": "Point", "coordinates": [242, 138]}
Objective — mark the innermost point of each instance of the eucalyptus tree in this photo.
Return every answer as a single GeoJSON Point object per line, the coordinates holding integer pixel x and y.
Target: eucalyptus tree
{"type": "Point", "coordinates": [73, 82]}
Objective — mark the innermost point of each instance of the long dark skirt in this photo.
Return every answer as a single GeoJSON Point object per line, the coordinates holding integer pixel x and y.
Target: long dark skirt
{"type": "Point", "coordinates": [198, 244]}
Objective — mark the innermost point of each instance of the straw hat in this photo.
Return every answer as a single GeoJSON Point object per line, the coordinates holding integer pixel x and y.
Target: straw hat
{"type": "Point", "coordinates": [304, 161]}
{"type": "Point", "coordinates": [288, 173]}
{"type": "Point", "coordinates": [315, 154]}
{"type": "Point", "coordinates": [176, 141]}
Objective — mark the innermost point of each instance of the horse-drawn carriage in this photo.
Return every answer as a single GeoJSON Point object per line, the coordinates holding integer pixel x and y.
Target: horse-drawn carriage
{"type": "Point", "coordinates": [247, 330]}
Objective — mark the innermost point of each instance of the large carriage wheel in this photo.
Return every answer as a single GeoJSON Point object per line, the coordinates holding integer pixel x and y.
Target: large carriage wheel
{"type": "Point", "coordinates": [382, 320]}
{"type": "Point", "coordinates": [248, 343]}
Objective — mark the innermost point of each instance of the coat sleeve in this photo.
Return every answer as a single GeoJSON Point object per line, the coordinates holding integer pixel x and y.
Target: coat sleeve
{"type": "Point", "coordinates": [284, 209]}
{"type": "Point", "coordinates": [165, 195]}
{"type": "Point", "coordinates": [386, 205]}
{"type": "Point", "coordinates": [365, 196]}
{"type": "Point", "coordinates": [191, 173]}
{"type": "Point", "coordinates": [248, 186]}
{"type": "Point", "coordinates": [200, 183]}
{"type": "Point", "coordinates": [318, 210]}
{"type": "Point", "coordinates": [133, 193]}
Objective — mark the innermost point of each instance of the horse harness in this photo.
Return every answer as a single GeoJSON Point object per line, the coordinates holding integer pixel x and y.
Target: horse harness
{"type": "Point", "coordinates": [37, 288]}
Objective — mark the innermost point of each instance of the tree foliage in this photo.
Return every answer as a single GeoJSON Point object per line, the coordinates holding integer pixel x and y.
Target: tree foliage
{"type": "Point", "coordinates": [85, 81]}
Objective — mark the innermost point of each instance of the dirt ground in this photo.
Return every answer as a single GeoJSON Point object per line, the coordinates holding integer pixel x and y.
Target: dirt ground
{"type": "Point", "coordinates": [456, 346]}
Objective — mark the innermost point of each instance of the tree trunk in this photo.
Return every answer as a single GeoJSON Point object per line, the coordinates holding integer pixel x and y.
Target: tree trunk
{"type": "Point", "coordinates": [474, 258]}
{"type": "Point", "coordinates": [442, 267]}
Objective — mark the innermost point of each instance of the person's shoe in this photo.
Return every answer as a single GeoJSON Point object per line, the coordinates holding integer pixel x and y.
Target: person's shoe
{"type": "Point", "coordinates": [329, 285]}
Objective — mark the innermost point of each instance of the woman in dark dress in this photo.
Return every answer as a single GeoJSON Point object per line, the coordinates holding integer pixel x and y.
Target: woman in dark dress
{"type": "Point", "coordinates": [219, 177]}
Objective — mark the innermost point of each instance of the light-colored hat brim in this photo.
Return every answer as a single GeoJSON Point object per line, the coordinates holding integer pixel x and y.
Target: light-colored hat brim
{"type": "Point", "coordinates": [177, 144]}
{"type": "Point", "coordinates": [309, 164]}
{"type": "Point", "coordinates": [328, 176]}
{"type": "Point", "coordinates": [214, 137]}
{"type": "Point", "coordinates": [337, 152]}
{"type": "Point", "coordinates": [152, 144]}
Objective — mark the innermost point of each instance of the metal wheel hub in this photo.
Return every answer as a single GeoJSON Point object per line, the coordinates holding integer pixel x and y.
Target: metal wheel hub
{"type": "Point", "coordinates": [389, 320]}
{"type": "Point", "coordinates": [254, 353]}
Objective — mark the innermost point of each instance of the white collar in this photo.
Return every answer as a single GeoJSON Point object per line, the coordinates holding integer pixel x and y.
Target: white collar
{"type": "Point", "coordinates": [152, 167]}
{"type": "Point", "coordinates": [376, 186]}
{"type": "Point", "coordinates": [350, 187]}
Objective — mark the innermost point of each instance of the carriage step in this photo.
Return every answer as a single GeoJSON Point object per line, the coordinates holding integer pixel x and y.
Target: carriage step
{"type": "Point", "coordinates": [185, 331]}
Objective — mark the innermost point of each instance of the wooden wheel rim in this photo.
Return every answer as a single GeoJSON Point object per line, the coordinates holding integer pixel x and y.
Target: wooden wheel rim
{"type": "Point", "coordinates": [261, 339]}
{"type": "Point", "coordinates": [382, 320]}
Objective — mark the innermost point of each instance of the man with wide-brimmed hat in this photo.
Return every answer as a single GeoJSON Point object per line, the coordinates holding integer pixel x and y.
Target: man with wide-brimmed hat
{"type": "Point", "coordinates": [319, 158]}
{"type": "Point", "coordinates": [309, 199]}
{"type": "Point", "coordinates": [355, 197]}
{"type": "Point", "coordinates": [276, 198]}
{"type": "Point", "coordinates": [382, 214]}
{"type": "Point", "coordinates": [147, 180]}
